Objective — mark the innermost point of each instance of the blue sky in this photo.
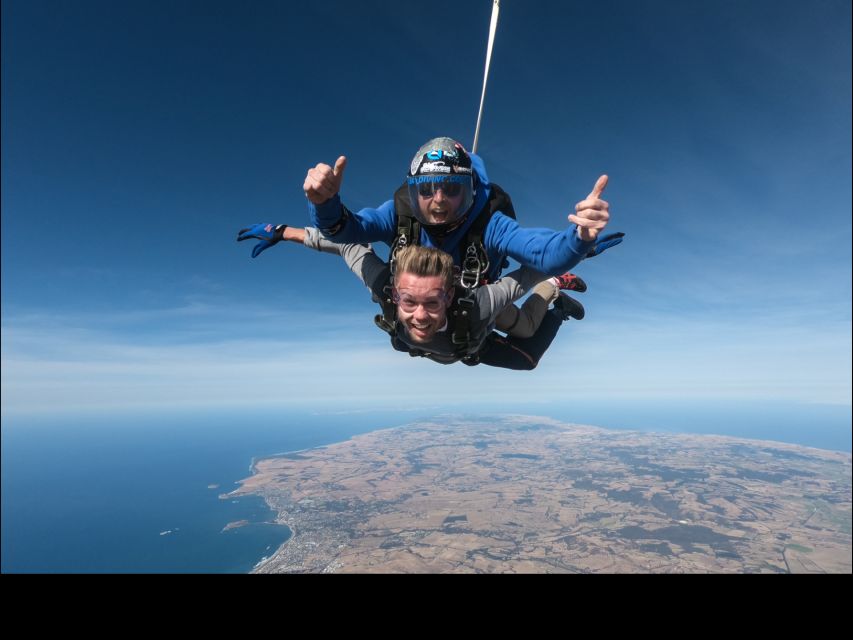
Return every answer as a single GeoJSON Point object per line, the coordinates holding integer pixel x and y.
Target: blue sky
{"type": "Point", "coordinates": [138, 137]}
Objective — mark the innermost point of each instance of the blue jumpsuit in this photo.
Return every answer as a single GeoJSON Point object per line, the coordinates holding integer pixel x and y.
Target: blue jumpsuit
{"type": "Point", "coordinates": [545, 250]}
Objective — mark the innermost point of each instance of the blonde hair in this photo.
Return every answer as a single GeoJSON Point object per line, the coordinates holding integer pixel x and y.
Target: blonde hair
{"type": "Point", "coordinates": [426, 262]}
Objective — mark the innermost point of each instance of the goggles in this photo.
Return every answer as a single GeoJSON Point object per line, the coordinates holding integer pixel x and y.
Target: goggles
{"type": "Point", "coordinates": [429, 189]}
{"type": "Point", "coordinates": [409, 304]}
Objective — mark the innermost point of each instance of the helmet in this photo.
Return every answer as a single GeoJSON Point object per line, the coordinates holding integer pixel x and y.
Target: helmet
{"type": "Point", "coordinates": [442, 163]}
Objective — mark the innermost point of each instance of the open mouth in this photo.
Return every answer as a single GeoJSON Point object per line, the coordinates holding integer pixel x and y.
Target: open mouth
{"type": "Point", "coordinates": [419, 331]}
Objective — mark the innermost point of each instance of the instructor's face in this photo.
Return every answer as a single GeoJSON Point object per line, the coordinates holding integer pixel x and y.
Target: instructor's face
{"type": "Point", "coordinates": [421, 305]}
{"type": "Point", "coordinates": [439, 207]}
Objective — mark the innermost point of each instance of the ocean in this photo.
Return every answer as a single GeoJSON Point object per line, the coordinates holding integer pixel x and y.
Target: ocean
{"type": "Point", "coordinates": [139, 493]}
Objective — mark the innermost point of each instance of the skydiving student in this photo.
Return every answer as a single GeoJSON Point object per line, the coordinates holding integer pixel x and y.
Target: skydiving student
{"type": "Point", "coordinates": [426, 316]}
{"type": "Point", "coordinates": [520, 322]}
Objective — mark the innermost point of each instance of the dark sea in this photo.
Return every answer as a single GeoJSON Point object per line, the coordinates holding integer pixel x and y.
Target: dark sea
{"type": "Point", "coordinates": [140, 493]}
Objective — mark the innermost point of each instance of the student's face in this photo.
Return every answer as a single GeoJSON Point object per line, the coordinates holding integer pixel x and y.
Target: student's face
{"type": "Point", "coordinates": [439, 208]}
{"type": "Point", "coordinates": [421, 305]}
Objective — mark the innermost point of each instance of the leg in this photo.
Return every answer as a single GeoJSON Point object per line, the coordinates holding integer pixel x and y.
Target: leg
{"type": "Point", "coordinates": [520, 354]}
{"type": "Point", "coordinates": [523, 322]}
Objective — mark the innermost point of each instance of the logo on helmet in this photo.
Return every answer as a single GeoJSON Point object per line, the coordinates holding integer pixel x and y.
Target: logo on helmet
{"type": "Point", "coordinates": [434, 167]}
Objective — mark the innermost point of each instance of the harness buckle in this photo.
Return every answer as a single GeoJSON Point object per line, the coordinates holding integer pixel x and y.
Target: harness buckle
{"type": "Point", "coordinates": [471, 269]}
{"type": "Point", "coordinates": [472, 360]}
{"type": "Point", "coordinates": [400, 242]}
{"type": "Point", "coordinates": [383, 324]}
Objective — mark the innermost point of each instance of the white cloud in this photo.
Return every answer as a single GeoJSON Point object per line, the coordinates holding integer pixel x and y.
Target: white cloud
{"type": "Point", "coordinates": [652, 356]}
{"type": "Point", "coordinates": [208, 357]}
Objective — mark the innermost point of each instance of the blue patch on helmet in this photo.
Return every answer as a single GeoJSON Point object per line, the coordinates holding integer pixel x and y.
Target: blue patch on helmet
{"type": "Point", "coordinates": [439, 177]}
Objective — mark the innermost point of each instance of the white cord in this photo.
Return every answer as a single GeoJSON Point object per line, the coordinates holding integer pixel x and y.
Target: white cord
{"type": "Point", "coordinates": [492, 28]}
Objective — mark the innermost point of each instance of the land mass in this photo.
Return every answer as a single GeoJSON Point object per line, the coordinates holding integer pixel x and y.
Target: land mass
{"type": "Point", "coordinates": [524, 494]}
{"type": "Point", "coordinates": [234, 525]}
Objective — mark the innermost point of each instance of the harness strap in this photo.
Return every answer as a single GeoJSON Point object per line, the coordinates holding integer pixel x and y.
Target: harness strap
{"type": "Point", "coordinates": [461, 314]}
{"type": "Point", "coordinates": [387, 320]}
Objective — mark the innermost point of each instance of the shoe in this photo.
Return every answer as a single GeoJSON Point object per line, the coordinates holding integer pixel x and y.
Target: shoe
{"type": "Point", "coordinates": [571, 282]}
{"type": "Point", "coordinates": [568, 307]}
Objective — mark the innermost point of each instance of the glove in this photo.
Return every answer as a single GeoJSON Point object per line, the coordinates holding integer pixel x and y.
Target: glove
{"type": "Point", "coordinates": [605, 242]}
{"type": "Point", "coordinates": [265, 232]}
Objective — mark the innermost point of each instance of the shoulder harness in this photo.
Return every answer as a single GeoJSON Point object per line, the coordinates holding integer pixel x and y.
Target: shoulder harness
{"type": "Point", "coordinates": [473, 272]}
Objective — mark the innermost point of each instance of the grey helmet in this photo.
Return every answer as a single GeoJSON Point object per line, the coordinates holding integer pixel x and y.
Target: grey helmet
{"type": "Point", "coordinates": [441, 163]}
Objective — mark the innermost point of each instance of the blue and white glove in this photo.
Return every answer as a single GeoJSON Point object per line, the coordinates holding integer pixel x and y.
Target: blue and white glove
{"type": "Point", "coordinates": [267, 233]}
{"type": "Point", "coordinates": [605, 242]}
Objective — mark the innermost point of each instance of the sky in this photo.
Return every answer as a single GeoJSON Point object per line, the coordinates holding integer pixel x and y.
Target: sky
{"type": "Point", "coordinates": [139, 136]}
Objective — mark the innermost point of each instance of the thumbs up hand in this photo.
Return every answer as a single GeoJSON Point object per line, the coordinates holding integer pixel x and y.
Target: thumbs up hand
{"type": "Point", "coordinates": [592, 215]}
{"type": "Point", "coordinates": [323, 181]}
